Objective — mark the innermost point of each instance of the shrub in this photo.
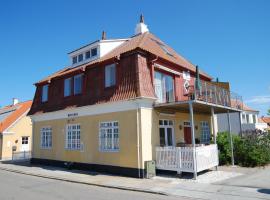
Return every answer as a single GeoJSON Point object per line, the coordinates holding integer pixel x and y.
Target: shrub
{"type": "Point", "coordinates": [249, 151]}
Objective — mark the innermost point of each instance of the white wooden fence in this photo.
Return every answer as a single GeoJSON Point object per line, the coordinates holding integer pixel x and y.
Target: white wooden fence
{"type": "Point", "coordinates": [21, 155]}
{"type": "Point", "coordinates": [180, 159]}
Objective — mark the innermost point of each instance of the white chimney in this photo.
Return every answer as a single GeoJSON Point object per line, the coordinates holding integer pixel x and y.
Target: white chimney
{"type": "Point", "coordinates": [141, 27]}
{"type": "Point", "coordinates": [15, 101]}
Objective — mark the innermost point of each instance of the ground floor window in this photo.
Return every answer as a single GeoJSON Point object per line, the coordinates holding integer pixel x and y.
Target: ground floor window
{"type": "Point", "coordinates": [109, 136]}
{"type": "Point", "coordinates": [205, 133]}
{"type": "Point", "coordinates": [73, 137]}
{"type": "Point", "coordinates": [166, 132]}
{"type": "Point", "coordinates": [46, 137]}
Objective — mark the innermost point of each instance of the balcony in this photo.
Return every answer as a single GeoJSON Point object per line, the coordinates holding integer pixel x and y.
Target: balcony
{"type": "Point", "coordinates": [209, 94]}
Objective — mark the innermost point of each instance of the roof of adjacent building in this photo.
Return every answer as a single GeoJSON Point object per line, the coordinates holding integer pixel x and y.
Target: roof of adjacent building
{"type": "Point", "coordinates": [264, 119]}
{"type": "Point", "coordinates": [146, 42]}
{"type": "Point", "coordinates": [11, 113]}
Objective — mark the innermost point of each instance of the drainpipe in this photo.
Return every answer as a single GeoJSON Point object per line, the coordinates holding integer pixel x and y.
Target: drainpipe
{"type": "Point", "coordinates": [138, 141]}
{"type": "Point", "coordinates": [230, 132]}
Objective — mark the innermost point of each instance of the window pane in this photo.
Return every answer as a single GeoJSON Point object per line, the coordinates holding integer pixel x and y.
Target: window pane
{"type": "Point", "coordinates": [78, 84]}
{"type": "Point", "coordinates": [67, 87]}
{"type": "Point", "coordinates": [45, 93]}
{"type": "Point", "coordinates": [87, 55]}
{"type": "Point", "coordinates": [162, 136]}
{"type": "Point", "coordinates": [169, 137]}
{"type": "Point", "coordinates": [169, 85]}
{"type": "Point", "coordinates": [110, 75]}
{"type": "Point", "coordinates": [74, 59]}
{"type": "Point", "coordinates": [80, 58]}
{"type": "Point", "coordinates": [93, 52]}
{"type": "Point", "coordinates": [158, 86]}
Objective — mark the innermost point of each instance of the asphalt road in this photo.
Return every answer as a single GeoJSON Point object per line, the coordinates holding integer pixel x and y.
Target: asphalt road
{"type": "Point", "coordinates": [15, 186]}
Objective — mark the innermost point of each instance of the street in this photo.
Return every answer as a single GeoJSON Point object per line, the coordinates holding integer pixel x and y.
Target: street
{"type": "Point", "coordinates": [16, 186]}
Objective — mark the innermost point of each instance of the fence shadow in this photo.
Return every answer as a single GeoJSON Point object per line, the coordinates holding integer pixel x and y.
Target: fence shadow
{"type": "Point", "coordinates": [263, 190]}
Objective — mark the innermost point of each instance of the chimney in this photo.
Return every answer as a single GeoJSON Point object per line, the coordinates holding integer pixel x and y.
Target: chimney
{"type": "Point", "coordinates": [141, 27]}
{"type": "Point", "coordinates": [103, 37]}
{"type": "Point", "coordinates": [15, 101]}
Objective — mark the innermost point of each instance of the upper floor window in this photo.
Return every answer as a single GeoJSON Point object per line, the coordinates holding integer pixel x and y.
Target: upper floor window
{"type": "Point", "coordinates": [254, 119]}
{"type": "Point", "coordinates": [74, 60]}
{"type": "Point", "coordinates": [87, 55]}
{"type": "Point", "coordinates": [244, 118]}
{"type": "Point", "coordinates": [164, 87]}
{"type": "Point", "coordinates": [67, 87]}
{"type": "Point", "coordinates": [93, 52]}
{"type": "Point", "coordinates": [80, 58]}
{"type": "Point", "coordinates": [45, 89]}
{"type": "Point", "coordinates": [110, 73]}
{"type": "Point", "coordinates": [247, 118]}
{"type": "Point", "coordinates": [78, 84]}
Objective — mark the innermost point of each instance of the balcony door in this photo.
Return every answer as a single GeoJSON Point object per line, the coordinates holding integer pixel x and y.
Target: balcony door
{"type": "Point", "coordinates": [164, 87]}
{"type": "Point", "coordinates": [166, 133]}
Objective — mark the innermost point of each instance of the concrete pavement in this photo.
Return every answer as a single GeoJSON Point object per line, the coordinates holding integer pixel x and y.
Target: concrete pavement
{"type": "Point", "coordinates": [232, 188]}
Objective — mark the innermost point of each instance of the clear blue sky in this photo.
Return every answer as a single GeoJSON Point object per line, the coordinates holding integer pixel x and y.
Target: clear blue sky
{"type": "Point", "coordinates": [227, 39]}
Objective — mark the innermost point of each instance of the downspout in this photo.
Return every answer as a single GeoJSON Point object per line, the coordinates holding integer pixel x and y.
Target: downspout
{"type": "Point", "coordinates": [138, 143]}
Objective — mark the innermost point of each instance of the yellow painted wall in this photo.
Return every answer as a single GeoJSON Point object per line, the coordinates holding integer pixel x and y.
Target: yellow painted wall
{"type": "Point", "coordinates": [23, 127]}
{"type": "Point", "coordinates": [126, 157]}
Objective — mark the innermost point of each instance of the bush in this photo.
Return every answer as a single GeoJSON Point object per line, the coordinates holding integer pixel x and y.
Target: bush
{"type": "Point", "coordinates": [249, 151]}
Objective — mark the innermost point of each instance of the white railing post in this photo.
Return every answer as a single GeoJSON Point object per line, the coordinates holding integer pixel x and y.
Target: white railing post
{"type": "Point", "coordinates": [193, 140]}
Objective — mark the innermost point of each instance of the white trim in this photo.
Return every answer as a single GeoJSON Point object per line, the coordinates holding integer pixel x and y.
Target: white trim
{"type": "Point", "coordinates": [95, 109]}
{"type": "Point", "coordinates": [167, 69]}
{"type": "Point", "coordinates": [111, 127]}
{"type": "Point", "coordinates": [167, 114]}
{"type": "Point", "coordinates": [8, 133]}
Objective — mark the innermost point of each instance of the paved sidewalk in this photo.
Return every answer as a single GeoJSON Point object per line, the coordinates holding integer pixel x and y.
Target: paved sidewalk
{"type": "Point", "coordinates": [159, 185]}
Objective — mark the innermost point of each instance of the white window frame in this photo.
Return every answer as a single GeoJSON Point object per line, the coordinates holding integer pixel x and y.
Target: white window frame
{"type": "Point", "coordinates": [110, 76]}
{"type": "Point", "coordinates": [45, 93]}
{"type": "Point", "coordinates": [105, 145]}
{"type": "Point", "coordinates": [74, 84]}
{"type": "Point", "coordinates": [205, 132]}
{"type": "Point", "coordinates": [170, 124]}
{"type": "Point", "coordinates": [73, 137]}
{"type": "Point", "coordinates": [69, 81]}
{"type": "Point", "coordinates": [46, 137]}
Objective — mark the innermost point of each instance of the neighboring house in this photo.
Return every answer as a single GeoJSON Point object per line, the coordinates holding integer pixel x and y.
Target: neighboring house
{"type": "Point", "coordinates": [123, 102]}
{"type": "Point", "coordinates": [243, 122]}
{"type": "Point", "coordinates": [264, 123]}
{"type": "Point", "coordinates": [15, 129]}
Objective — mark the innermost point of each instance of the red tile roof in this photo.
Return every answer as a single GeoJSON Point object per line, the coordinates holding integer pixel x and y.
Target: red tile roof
{"type": "Point", "coordinates": [265, 120]}
{"type": "Point", "coordinates": [12, 113]}
{"type": "Point", "coordinates": [147, 42]}
{"type": "Point", "coordinates": [243, 106]}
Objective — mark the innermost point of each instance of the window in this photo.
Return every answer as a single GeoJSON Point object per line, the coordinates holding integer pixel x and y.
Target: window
{"type": "Point", "coordinates": [243, 118]}
{"type": "Point", "coordinates": [74, 60]}
{"type": "Point", "coordinates": [164, 87]}
{"type": "Point", "coordinates": [166, 130]}
{"type": "Point", "coordinates": [80, 58]}
{"type": "Point", "coordinates": [45, 89]}
{"type": "Point", "coordinates": [73, 137]}
{"type": "Point", "coordinates": [93, 52]}
{"type": "Point", "coordinates": [109, 136]}
{"type": "Point", "coordinates": [78, 84]}
{"type": "Point", "coordinates": [247, 118]}
{"type": "Point", "coordinates": [67, 87]}
{"type": "Point", "coordinates": [25, 140]}
{"type": "Point", "coordinates": [87, 55]}
{"type": "Point", "coordinates": [205, 133]}
{"type": "Point", "coordinates": [110, 75]}
{"type": "Point", "coordinates": [254, 119]}
{"type": "Point", "coordinates": [46, 137]}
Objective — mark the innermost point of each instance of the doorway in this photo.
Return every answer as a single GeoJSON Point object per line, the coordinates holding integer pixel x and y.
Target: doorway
{"type": "Point", "coordinates": [187, 132]}
{"type": "Point", "coordinates": [25, 143]}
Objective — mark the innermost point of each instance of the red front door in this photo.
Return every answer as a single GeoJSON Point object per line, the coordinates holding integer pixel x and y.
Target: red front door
{"type": "Point", "coordinates": [187, 135]}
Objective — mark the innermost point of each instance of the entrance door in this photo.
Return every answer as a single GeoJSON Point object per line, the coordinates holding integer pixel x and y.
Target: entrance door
{"type": "Point", "coordinates": [187, 135]}
{"type": "Point", "coordinates": [25, 143]}
{"type": "Point", "coordinates": [166, 132]}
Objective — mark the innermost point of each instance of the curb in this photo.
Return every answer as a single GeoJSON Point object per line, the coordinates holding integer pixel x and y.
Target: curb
{"type": "Point", "coordinates": [85, 183]}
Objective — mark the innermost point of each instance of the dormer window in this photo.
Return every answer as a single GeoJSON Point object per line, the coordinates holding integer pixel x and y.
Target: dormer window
{"type": "Point", "coordinates": [93, 52]}
{"type": "Point", "coordinates": [74, 60]}
{"type": "Point", "coordinates": [78, 84]}
{"type": "Point", "coordinates": [80, 58]}
{"type": "Point", "coordinates": [110, 73]}
{"type": "Point", "coordinates": [87, 55]}
{"type": "Point", "coordinates": [45, 89]}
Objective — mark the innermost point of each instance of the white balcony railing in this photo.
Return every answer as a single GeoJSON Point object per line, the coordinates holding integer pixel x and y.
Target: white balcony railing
{"type": "Point", "coordinates": [180, 159]}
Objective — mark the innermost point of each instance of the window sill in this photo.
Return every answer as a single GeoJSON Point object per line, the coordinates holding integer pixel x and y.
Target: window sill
{"type": "Point", "coordinates": [109, 151]}
{"type": "Point", "coordinates": [67, 149]}
{"type": "Point", "coordinates": [46, 148]}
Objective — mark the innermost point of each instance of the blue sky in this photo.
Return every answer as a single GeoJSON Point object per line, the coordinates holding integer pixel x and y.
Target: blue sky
{"type": "Point", "coordinates": [228, 39]}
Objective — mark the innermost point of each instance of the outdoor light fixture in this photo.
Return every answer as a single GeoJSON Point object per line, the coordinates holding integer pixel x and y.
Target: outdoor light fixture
{"type": "Point", "coordinates": [180, 127]}
{"type": "Point", "coordinates": [196, 127]}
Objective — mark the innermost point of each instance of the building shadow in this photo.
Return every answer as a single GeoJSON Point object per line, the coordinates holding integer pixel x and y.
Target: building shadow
{"type": "Point", "coordinates": [263, 190]}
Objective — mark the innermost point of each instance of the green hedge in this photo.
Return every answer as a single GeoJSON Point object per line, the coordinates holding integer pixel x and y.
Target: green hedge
{"type": "Point", "coordinates": [249, 151]}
